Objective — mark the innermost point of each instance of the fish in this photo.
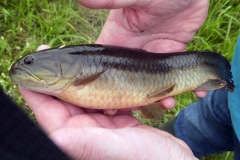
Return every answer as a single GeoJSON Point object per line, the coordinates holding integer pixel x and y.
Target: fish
{"type": "Point", "coordinates": [104, 77]}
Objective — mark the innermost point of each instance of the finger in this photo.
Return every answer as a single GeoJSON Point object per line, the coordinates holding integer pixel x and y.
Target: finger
{"type": "Point", "coordinates": [42, 47]}
{"type": "Point", "coordinates": [200, 94]}
{"type": "Point", "coordinates": [116, 112]}
{"type": "Point", "coordinates": [50, 113]}
{"type": "Point", "coordinates": [110, 111]}
{"type": "Point", "coordinates": [111, 4]}
{"type": "Point", "coordinates": [168, 103]}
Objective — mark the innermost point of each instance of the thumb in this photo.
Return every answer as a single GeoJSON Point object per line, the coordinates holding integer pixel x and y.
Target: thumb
{"type": "Point", "coordinates": [111, 4]}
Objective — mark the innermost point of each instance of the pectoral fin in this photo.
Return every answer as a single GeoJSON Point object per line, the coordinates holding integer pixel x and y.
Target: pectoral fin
{"type": "Point", "coordinates": [89, 79]}
{"type": "Point", "coordinates": [153, 111]}
{"type": "Point", "coordinates": [162, 93]}
{"type": "Point", "coordinates": [212, 84]}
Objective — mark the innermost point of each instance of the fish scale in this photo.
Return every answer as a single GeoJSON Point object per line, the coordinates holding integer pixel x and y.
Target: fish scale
{"type": "Point", "coordinates": [112, 77]}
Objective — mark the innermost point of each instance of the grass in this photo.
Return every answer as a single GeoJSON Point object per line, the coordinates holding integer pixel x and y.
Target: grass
{"type": "Point", "coordinates": [24, 25]}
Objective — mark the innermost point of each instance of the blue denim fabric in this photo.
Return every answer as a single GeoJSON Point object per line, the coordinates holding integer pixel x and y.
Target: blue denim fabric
{"type": "Point", "coordinates": [206, 126]}
{"type": "Point", "coordinates": [212, 125]}
{"type": "Point", "coordinates": [234, 98]}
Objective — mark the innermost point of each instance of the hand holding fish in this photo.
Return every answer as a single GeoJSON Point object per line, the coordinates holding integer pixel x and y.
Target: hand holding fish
{"type": "Point", "coordinates": [156, 26]}
{"type": "Point", "coordinates": [84, 135]}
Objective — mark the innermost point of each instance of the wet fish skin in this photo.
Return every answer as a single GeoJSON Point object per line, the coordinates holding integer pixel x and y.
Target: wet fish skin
{"type": "Point", "coordinates": [112, 77]}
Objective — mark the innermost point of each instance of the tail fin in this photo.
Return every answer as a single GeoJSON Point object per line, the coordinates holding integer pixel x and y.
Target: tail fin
{"type": "Point", "coordinates": [226, 74]}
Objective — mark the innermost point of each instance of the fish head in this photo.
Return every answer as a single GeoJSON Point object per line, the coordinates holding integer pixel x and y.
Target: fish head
{"type": "Point", "coordinates": [43, 72]}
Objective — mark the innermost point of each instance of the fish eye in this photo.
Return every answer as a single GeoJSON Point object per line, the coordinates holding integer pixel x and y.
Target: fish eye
{"type": "Point", "coordinates": [28, 60]}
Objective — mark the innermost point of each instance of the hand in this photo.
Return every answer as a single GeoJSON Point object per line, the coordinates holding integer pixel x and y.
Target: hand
{"type": "Point", "coordinates": [153, 25]}
{"type": "Point", "coordinates": [85, 135]}
{"type": "Point", "coordinates": [157, 26]}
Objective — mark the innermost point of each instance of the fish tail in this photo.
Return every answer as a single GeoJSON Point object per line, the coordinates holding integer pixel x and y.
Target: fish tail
{"type": "Point", "coordinates": [226, 74]}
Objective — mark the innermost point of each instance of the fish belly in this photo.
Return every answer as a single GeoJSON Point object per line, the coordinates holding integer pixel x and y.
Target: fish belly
{"type": "Point", "coordinates": [111, 91]}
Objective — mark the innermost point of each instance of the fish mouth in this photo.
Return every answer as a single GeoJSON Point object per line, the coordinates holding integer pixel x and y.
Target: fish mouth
{"type": "Point", "coordinates": [16, 70]}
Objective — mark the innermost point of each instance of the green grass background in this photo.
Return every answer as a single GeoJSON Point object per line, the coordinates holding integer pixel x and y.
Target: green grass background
{"type": "Point", "coordinates": [26, 24]}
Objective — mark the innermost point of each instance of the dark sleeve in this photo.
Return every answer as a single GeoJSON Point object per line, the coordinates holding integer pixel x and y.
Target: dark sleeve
{"type": "Point", "coordinates": [21, 139]}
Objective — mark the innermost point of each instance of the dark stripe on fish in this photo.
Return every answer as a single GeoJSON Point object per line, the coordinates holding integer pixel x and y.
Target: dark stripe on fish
{"type": "Point", "coordinates": [99, 57]}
